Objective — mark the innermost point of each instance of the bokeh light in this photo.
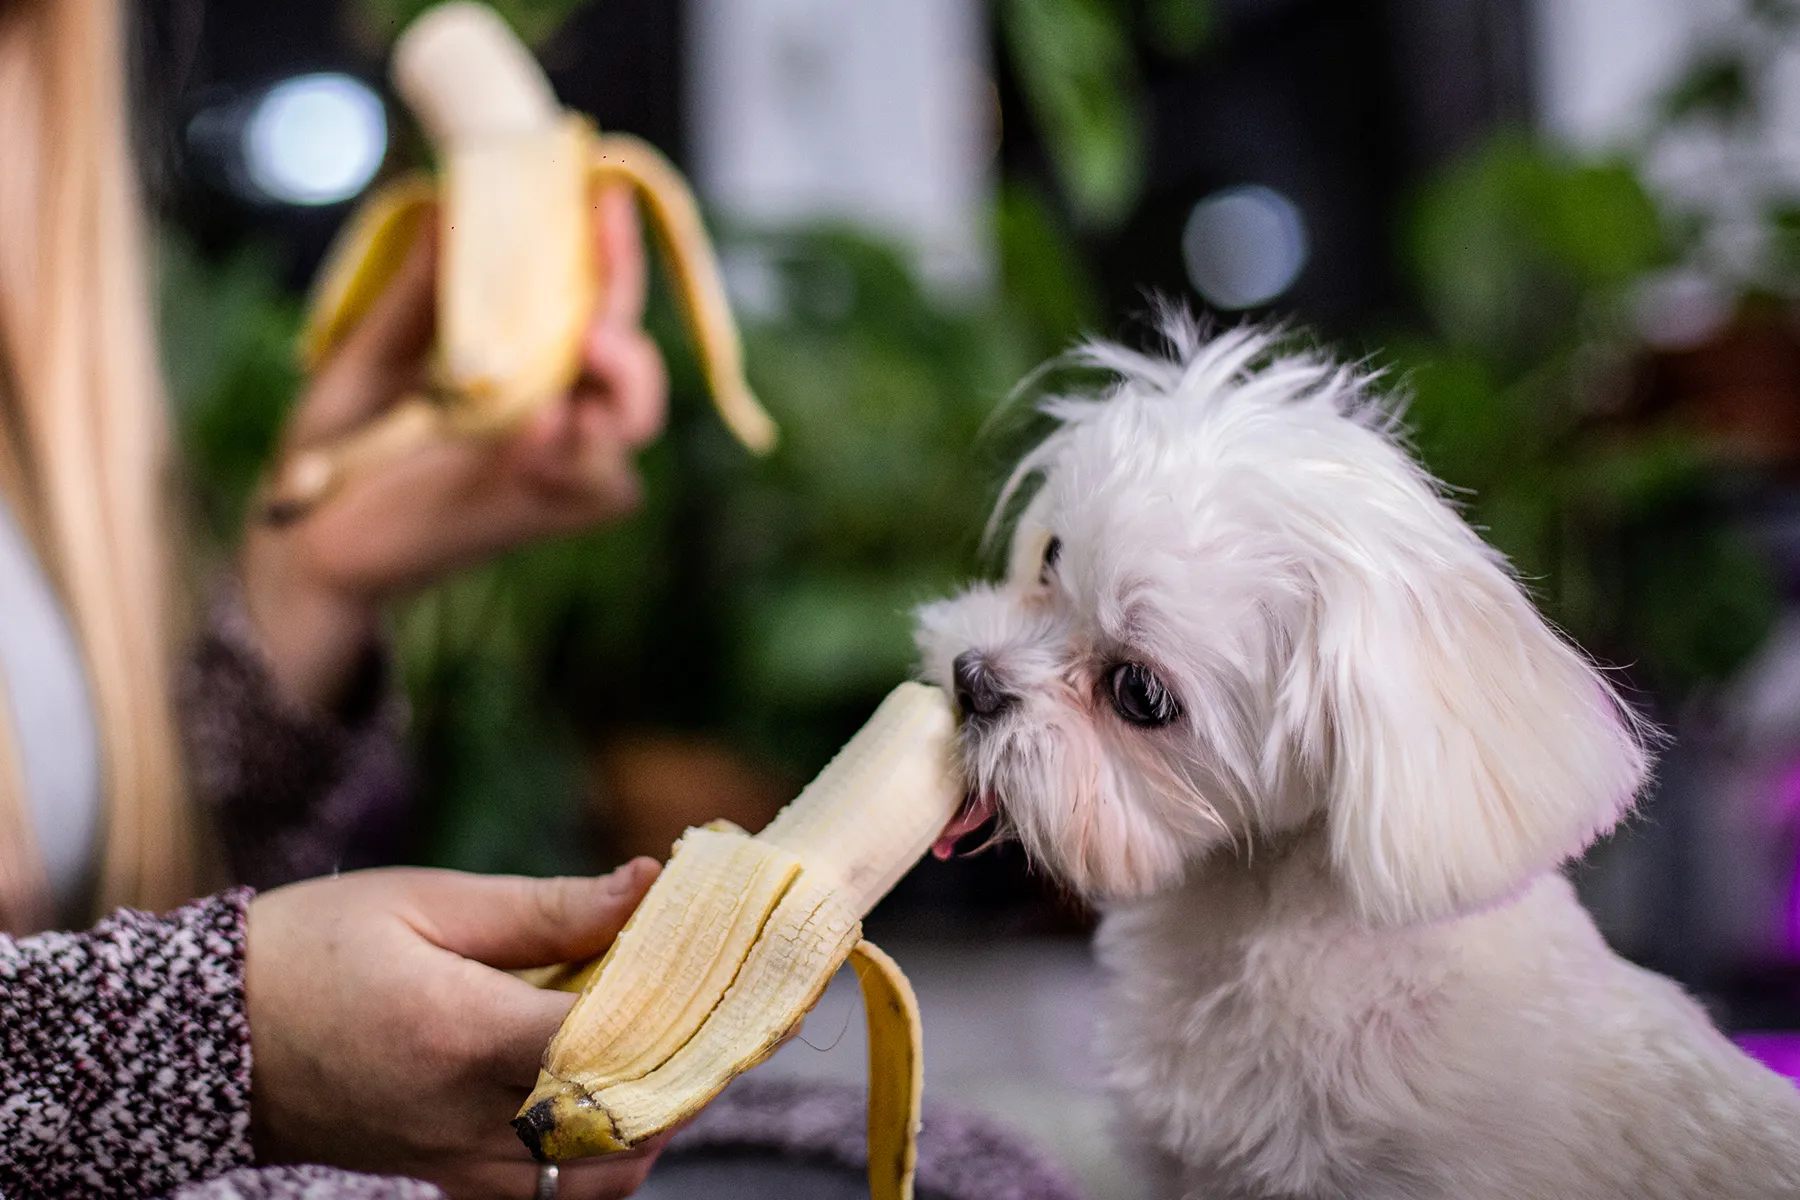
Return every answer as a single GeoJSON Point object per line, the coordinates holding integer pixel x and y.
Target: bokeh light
{"type": "Point", "coordinates": [1244, 246]}
{"type": "Point", "coordinates": [315, 139]}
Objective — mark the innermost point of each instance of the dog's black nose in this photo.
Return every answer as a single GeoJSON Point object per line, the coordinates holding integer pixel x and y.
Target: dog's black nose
{"type": "Point", "coordinates": [978, 692]}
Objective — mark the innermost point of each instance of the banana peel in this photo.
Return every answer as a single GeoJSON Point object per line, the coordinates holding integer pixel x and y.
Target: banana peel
{"type": "Point", "coordinates": [736, 941]}
{"type": "Point", "coordinates": [519, 276]}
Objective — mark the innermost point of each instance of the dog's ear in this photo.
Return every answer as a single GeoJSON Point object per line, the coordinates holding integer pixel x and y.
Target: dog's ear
{"type": "Point", "coordinates": [1464, 746]}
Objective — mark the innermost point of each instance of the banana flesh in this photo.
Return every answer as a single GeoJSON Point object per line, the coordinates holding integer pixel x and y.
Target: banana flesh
{"type": "Point", "coordinates": [736, 941]}
{"type": "Point", "coordinates": [518, 273]}
{"type": "Point", "coordinates": [510, 339]}
{"type": "Point", "coordinates": [841, 824]}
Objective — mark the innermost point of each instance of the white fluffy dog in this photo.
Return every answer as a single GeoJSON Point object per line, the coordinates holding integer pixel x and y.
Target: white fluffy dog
{"type": "Point", "coordinates": [1254, 687]}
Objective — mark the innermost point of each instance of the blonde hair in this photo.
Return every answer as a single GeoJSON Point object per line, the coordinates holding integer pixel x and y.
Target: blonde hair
{"type": "Point", "coordinates": [83, 442]}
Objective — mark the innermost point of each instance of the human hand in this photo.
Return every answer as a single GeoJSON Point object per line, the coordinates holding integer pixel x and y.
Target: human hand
{"type": "Point", "coordinates": [384, 1039]}
{"type": "Point", "coordinates": [314, 587]}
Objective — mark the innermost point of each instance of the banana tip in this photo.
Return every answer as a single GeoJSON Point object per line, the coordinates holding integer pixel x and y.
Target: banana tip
{"type": "Point", "coordinates": [560, 1120]}
{"type": "Point", "coordinates": [747, 419]}
{"type": "Point", "coordinates": [534, 1125]}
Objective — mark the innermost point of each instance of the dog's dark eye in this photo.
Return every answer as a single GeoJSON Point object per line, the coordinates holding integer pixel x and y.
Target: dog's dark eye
{"type": "Point", "coordinates": [1052, 552]}
{"type": "Point", "coordinates": [1140, 697]}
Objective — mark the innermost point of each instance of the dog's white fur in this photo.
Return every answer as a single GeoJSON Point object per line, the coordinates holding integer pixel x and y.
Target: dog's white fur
{"type": "Point", "coordinates": [1342, 961]}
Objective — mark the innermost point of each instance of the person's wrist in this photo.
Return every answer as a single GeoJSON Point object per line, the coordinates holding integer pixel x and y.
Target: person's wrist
{"type": "Point", "coordinates": [268, 950]}
{"type": "Point", "coordinates": [313, 635]}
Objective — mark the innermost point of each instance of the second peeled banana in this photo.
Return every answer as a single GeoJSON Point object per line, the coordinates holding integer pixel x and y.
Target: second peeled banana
{"type": "Point", "coordinates": [519, 277]}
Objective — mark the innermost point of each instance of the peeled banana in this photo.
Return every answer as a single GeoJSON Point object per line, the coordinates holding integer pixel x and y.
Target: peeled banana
{"type": "Point", "coordinates": [518, 275]}
{"type": "Point", "coordinates": [737, 939]}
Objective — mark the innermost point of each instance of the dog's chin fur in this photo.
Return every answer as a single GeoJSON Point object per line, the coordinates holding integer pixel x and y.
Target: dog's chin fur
{"type": "Point", "coordinates": [1343, 963]}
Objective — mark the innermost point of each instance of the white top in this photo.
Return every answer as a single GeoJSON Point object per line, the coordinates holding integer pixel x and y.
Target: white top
{"type": "Point", "coordinates": [53, 717]}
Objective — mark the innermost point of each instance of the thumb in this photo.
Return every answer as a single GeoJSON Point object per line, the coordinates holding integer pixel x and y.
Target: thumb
{"type": "Point", "coordinates": [511, 921]}
{"type": "Point", "coordinates": [384, 355]}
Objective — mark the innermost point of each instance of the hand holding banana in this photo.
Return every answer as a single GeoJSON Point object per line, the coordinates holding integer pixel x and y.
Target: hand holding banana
{"type": "Point", "coordinates": [372, 998]}
{"type": "Point", "coordinates": [518, 276]}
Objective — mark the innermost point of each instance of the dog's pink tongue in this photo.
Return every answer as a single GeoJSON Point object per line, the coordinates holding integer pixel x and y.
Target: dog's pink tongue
{"type": "Point", "coordinates": [975, 812]}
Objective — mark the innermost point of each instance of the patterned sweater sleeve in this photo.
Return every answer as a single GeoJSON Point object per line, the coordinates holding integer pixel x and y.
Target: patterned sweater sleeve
{"type": "Point", "coordinates": [294, 792]}
{"type": "Point", "coordinates": [125, 1063]}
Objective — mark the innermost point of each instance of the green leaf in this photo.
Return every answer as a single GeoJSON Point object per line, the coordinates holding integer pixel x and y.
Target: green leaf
{"type": "Point", "coordinates": [1513, 244]}
{"type": "Point", "coordinates": [1457, 411]}
{"type": "Point", "coordinates": [1469, 243]}
{"type": "Point", "coordinates": [1599, 224]}
{"type": "Point", "coordinates": [1076, 68]}
{"type": "Point", "coordinates": [1717, 85]}
{"type": "Point", "coordinates": [1045, 279]}
{"type": "Point", "coordinates": [1518, 517]}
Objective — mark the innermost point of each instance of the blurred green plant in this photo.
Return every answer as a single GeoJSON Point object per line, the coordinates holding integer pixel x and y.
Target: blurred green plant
{"type": "Point", "coordinates": [1525, 259]}
{"type": "Point", "coordinates": [1077, 65]}
{"type": "Point", "coordinates": [228, 332]}
{"type": "Point", "coordinates": [1528, 260]}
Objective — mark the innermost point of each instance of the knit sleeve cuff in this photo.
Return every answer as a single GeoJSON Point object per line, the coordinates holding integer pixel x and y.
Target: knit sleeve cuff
{"type": "Point", "coordinates": [126, 1062]}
